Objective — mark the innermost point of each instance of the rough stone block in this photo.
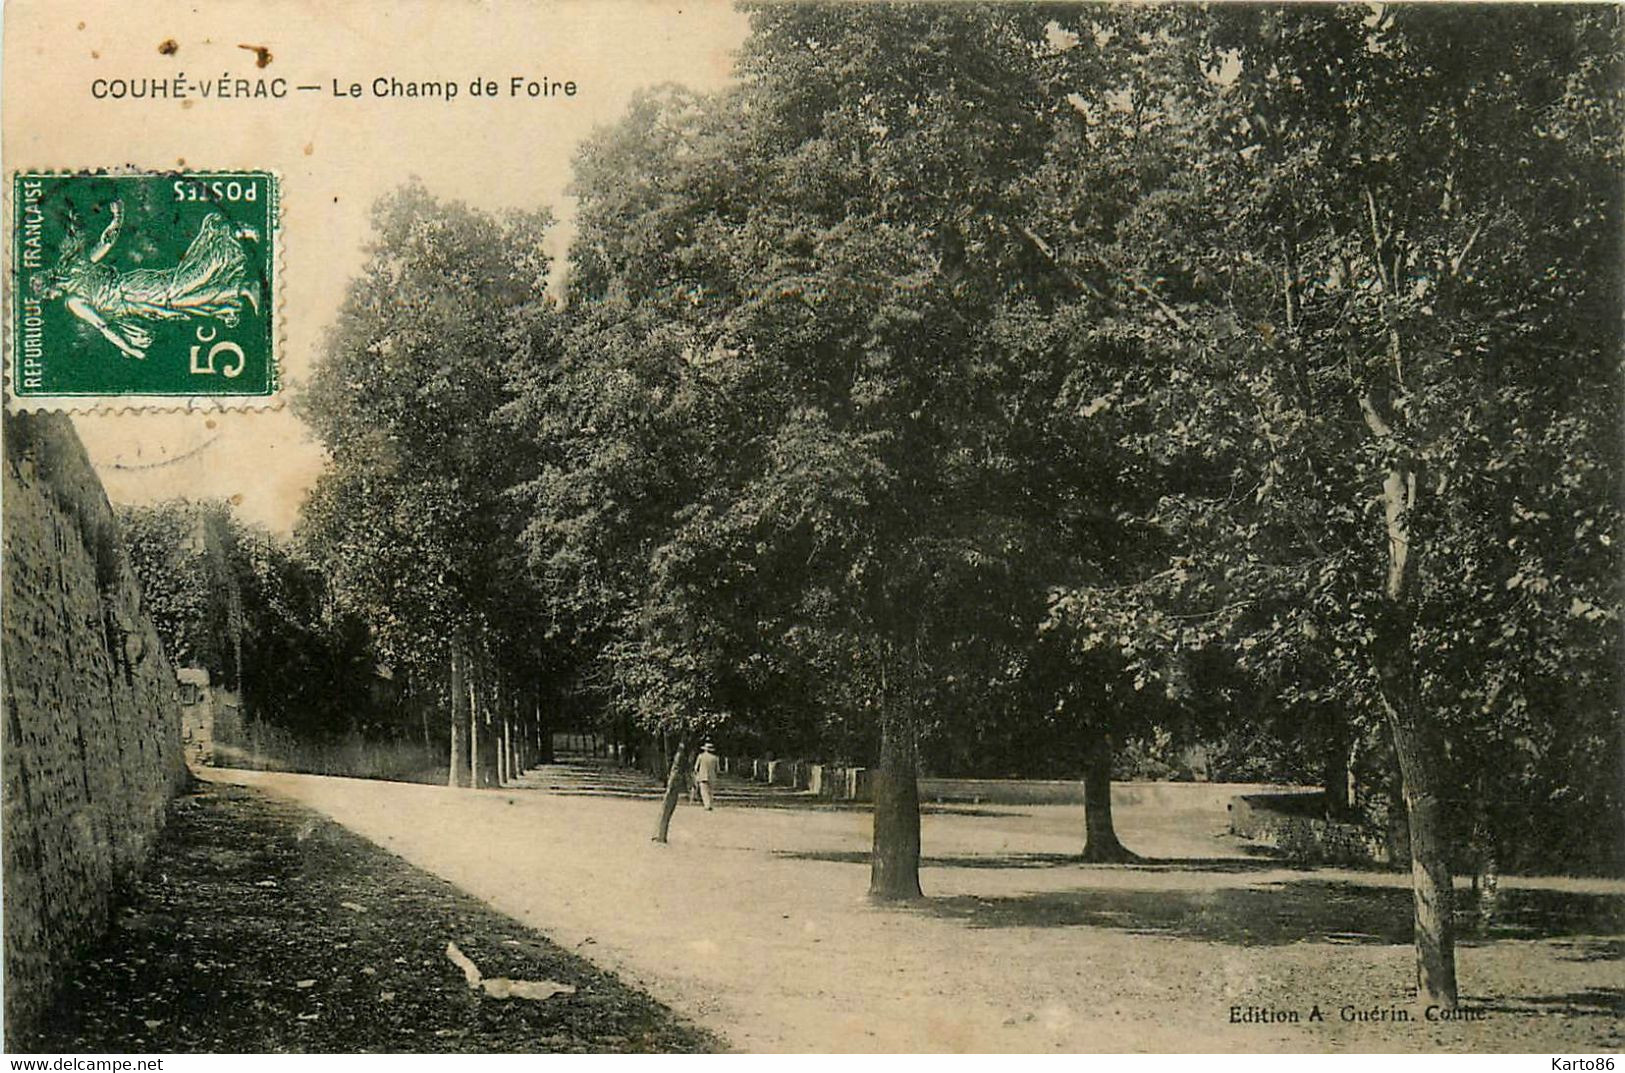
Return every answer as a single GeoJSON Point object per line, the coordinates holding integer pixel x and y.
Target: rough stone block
{"type": "Point", "coordinates": [93, 743]}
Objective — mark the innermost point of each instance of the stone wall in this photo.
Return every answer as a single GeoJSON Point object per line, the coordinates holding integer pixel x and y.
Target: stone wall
{"type": "Point", "coordinates": [827, 782]}
{"type": "Point", "coordinates": [1165, 796]}
{"type": "Point", "coordinates": [837, 782]}
{"type": "Point", "coordinates": [1298, 826]}
{"type": "Point", "coordinates": [92, 737]}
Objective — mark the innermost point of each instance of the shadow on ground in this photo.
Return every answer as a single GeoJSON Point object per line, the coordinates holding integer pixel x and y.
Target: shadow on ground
{"type": "Point", "coordinates": [1259, 861]}
{"type": "Point", "coordinates": [1592, 1002]}
{"type": "Point", "coordinates": [1010, 860]}
{"type": "Point", "coordinates": [260, 926]}
{"type": "Point", "coordinates": [1593, 950]}
{"type": "Point", "coordinates": [1301, 910]}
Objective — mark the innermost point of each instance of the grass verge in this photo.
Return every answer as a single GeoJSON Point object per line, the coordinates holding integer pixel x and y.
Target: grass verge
{"type": "Point", "coordinates": [261, 926]}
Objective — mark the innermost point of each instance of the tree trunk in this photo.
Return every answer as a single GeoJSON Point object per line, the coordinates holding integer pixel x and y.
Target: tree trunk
{"type": "Point", "coordinates": [497, 720]}
{"type": "Point", "coordinates": [1484, 850]}
{"type": "Point", "coordinates": [1431, 882]}
{"type": "Point", "coordinates": [1417, 740]}
{"type": "Point", "coordinates": [674, 790]}
{"type": "Point", "coordinates": [528, 741]}
{"type": "Point", "coordinates": [894, 863]}
{"type": "Point", "coordinates": [1432, 886]}
{"type": "Point", "coordinates": [1100, 844]}
{"type": "Point", "coordinates": [519, 745]}
{"type": "Point", "coordinates": [454, 776]}
{"type": "Point", "coordinates": [473, 734]}
{"type": "Point", "coordinates": [504, 777]}
{"type": "Point", "coordinates": [509, 753]}
{"type": "Point", "coordinates": [493, 734]}
{"type": "Point", "coordinates": [544, 735]}
{"type": "Point", "coordinates": [1336, 744]}
{"type": "Point", "coordinates": [517, 761]}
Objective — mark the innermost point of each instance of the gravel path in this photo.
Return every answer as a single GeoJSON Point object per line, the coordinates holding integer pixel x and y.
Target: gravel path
{"type": "Point", "coordinates": [753, 922]}
{"type": "Point", "coordinates": [260, 926]}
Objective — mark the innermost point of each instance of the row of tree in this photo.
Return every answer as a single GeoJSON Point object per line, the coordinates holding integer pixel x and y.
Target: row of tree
{"type": "Point", "coordinates": [239, 603]}
{"type": "Point", "coordinates": [253, 611]}
{"type": "Point", "coordinates": [1054, 368]}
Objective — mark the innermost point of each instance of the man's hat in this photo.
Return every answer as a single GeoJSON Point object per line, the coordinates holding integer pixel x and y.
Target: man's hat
{"type": "Point", "coordinates": [708, 747]}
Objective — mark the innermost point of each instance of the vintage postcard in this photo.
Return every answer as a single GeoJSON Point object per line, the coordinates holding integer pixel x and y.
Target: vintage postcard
{"type": "Point", "coordinates": [672, 526]}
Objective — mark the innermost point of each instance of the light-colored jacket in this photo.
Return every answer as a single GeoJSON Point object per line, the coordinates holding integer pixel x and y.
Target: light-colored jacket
{"type": "Point", "coordinates": [705, 767]}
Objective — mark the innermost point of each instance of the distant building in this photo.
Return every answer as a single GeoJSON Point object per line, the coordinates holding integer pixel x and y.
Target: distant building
{"type": "Point", "coordinates": [206, 711]}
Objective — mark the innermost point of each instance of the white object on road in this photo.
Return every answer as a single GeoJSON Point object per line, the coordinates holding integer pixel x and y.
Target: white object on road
{"type": "Point", "coordinates": [536, 990]}
{"type": "Point", "coordinates": [502, 987]}
{"type": "Point", "coordinates": [471, 971]}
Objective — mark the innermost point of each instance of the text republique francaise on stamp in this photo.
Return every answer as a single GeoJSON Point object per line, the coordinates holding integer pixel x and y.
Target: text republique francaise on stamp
{"type": "Point", "coordinates": [143, 287]}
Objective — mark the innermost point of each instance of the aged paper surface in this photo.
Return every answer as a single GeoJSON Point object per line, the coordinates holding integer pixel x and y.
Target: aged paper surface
{"type": "Point", "coordinates": [1224, 921]}
{"type": "Point", "coordinates": [336, 156]}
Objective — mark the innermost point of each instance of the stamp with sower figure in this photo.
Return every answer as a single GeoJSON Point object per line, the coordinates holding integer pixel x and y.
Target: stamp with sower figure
{"type": "Point", "coordinates": [133, 287]}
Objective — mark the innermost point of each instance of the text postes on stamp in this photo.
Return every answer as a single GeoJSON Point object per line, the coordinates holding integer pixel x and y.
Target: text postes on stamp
{"type": "Point", "coordinates": [143, 286]}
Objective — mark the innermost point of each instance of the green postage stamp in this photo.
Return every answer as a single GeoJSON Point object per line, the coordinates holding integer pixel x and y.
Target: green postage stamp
{"type": "Point", "coordinates": [143, 287]}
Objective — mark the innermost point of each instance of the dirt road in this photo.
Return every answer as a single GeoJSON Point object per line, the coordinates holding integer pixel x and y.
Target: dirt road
{"type": "Point", "coordinates": [753, 921]}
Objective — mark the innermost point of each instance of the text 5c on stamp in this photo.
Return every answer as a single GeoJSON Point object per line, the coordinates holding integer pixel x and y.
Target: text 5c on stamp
{"type": "Point", "coordinates": [143, 286]}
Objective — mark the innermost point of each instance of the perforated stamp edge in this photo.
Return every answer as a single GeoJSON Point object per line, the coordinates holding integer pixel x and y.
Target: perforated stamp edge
{"type": "Point", "coordinates": [137, 403]}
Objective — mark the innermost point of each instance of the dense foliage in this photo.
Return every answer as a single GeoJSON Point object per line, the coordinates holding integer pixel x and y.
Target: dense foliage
{"type": "Point", "coordinates": [1379, 244]}
{"type": "Point", "coordinates": [406, 522]}
{"type": "Point", "coordinates": [236, 601]}
{"type": "Point", "coordinates": [1236, 387]}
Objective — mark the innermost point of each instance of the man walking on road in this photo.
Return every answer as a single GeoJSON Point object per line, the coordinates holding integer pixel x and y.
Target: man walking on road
{"type": "Point", "coordinates": [705, 772]}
